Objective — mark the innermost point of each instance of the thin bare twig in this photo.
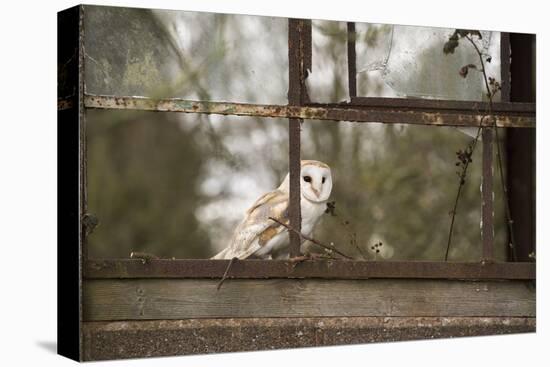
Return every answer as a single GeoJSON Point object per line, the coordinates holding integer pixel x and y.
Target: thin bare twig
{"type": "Point", "coordinates": [328, 247]}
{"type": "Point", "coordinates": [224, 277]}
{"type": "Point", "coordinates": [331, 209]}
{"type": "Point", "coordinates": [353, 239]}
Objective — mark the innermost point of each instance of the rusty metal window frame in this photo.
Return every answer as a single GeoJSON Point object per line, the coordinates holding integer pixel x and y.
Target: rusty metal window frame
{"type": "Point", "coordinates": [359, 109]}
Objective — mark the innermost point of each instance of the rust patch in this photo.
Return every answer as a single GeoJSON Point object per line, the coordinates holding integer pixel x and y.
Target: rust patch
{"type": "Point", "coordinates": [522, 115]}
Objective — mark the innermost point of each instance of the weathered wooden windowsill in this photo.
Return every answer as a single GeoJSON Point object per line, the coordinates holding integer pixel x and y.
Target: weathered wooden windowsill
{"type": "Point", "coordinates": [134, 339]}
{"type": "Point", "coordinates": [137, 316]}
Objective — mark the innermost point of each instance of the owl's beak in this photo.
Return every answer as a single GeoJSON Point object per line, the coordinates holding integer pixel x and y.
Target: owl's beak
{"type": "Point", "coordinates": [315, 191]}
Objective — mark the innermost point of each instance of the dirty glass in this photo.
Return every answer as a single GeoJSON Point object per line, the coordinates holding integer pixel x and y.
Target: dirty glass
{"type": "Point", "coordinates": [328, 80]}
{"type": "Point", "coordinates": [396, 185]}
{"type": "Point", "coordinates": [176, 185]}
{"type": "Point", "coordinates": [399, 61]}
{"type": "Point", "coordinates": [201, 56]}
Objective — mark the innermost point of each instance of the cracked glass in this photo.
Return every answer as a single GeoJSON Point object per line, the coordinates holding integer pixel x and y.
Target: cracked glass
{"type": "Point", "coordinates": [399, 61]}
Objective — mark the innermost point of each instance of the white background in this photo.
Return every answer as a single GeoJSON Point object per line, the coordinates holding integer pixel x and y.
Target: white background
{"type": "Point", "coordinates": [28, 183]}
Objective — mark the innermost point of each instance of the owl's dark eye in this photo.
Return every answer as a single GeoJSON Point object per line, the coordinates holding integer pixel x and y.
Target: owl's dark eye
{"type": "Point", "coordinates": [323, 180]}
{"type": "Point", "coordinates": [307, 178]}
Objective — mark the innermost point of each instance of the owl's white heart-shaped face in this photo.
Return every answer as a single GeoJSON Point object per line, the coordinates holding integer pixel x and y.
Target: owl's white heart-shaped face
{"type": "Point", "coordinates": [315, 181]}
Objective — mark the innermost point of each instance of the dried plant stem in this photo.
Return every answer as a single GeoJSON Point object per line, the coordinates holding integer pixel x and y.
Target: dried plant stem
{"type": "Point", "coordinates": [453, 213]}
{"type": "Point", "coordinates": [328, 247]}
{"type": "Point", "coordinates": [465, 166]}
{"type": "Point", "coordinates": [509, 221]}
{"type": "Point", "coordinates": [490, 94]}
{"type": "Point", "coordinates": [459, 191]}
{"type": "Point", "coordinates": [485, 79]}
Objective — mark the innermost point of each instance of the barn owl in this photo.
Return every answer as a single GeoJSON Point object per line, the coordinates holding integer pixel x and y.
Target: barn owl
{"type": "Point", "coordinates": [261, 237]}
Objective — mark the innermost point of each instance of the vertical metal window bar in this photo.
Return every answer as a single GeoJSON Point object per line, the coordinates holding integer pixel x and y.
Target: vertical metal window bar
{"type": "Point", "coordinates": [521, 149]}
{"type": "Point", "coordinates": [299, 60]}
{"type": "Point", "coordinates": [352, 67]}
{"type": "Point", "coordinates": [505, 81]}
{"type": "Point", "coordinates": [487, 223]}
{"type": "Point", "coordinates": [505, 67]}
{"type": "Point", "coordinates": [487, 205]}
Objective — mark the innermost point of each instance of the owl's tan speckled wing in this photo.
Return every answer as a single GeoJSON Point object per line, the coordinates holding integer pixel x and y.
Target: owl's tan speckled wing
{"type": "Point", "coordinates": [257, 229]}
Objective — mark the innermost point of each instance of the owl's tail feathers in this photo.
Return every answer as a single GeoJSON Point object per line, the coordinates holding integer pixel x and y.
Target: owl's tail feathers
{"type": "Point", "coordinates": [224, 254]}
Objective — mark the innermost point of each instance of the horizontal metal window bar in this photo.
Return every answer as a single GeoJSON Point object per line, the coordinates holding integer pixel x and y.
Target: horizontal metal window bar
{"type": "Point", "coordinates": [334, 112]}
{"type": "Point", "coordinates": [474, 107]}
{"type": "Point", "coordinates": [330, 269]}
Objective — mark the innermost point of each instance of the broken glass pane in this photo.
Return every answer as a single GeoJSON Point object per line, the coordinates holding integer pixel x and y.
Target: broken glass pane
{"type": "Point", "coordinates": [206, 56]}
{"type": "Point", "coordinates": [407, 61]}
{"type": "Point", "coordinates": [399, 61]}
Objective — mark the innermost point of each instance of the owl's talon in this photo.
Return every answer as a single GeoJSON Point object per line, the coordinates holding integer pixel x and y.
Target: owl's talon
{"type": "Point", "coordinates": [299, 259]}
